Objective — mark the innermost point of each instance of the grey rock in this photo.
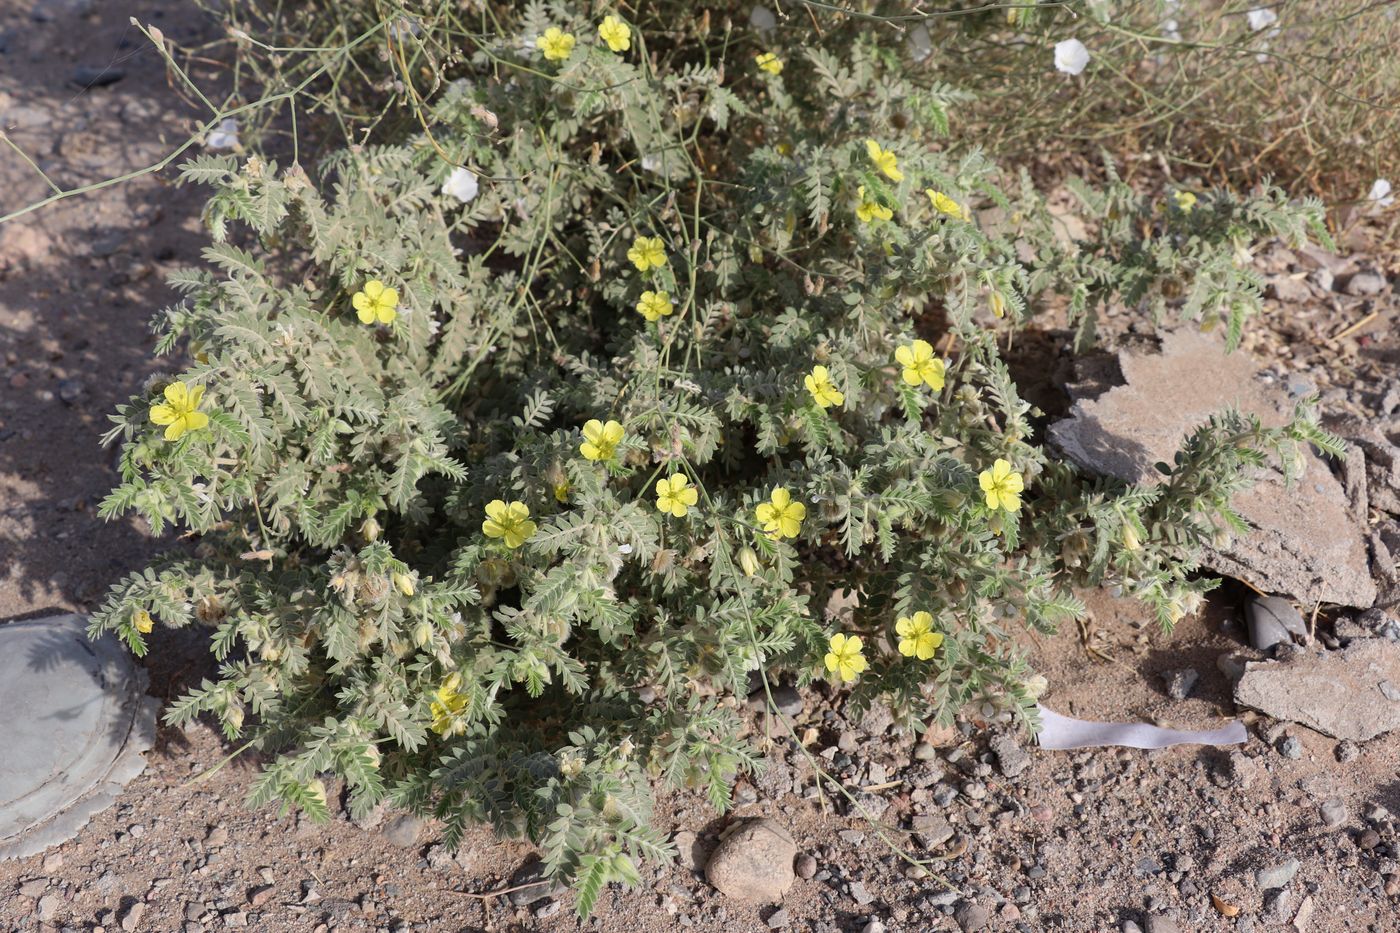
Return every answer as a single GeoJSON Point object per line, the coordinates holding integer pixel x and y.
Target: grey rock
{"type": "Point", "coordinates": [46, 11]}
{"type": "Point", "coordinates": [691, 851]}
{"type": "Point", "coordinates": [1291, 747]}
{"type": "Point", "coordinates": [1231, 665]}
{"type": "Point", "coordinates": [403, 830]}
{"type": "Point", "coordinates": [1278, 905]}
{"type": "Point", "coordinates": [1338, 693]}
{"type": "Point", "coordinates": [1012, 759]}
{"type": "Point", "coordinates": [754, 863]}
{"type": "Point", "coordinates": [131, 918]}
{"type": "Point", "coordinates": [70, 390]}
{"type": "Point", "coordinates": [1333, 813]}
{"type": "Point", "coordinates": [932, 830]}
{"type": "Point", "coordinates": [49, 907]}
{"type": "Point", "coordinates": [87, 76]}
{"type": "Point", "coordinates": [63, 767]}
{"type": "Point", "coordinates": [1181, 682]}
{"type": "Point", "coordinates": [1161, 923]}
{"type": "Point", "coordinates": [1130, 927]}
{"type": "Point", "coordinates": [778, 919]}
{"type": "Point", "coordinates": [1365, 284]}
{"type": "Point", "coordinates": [1286, 288]}
{"type": "Point", "coordinates": [531, 885]}
{"type": "Point", "coordinates": [1273, 621]}
{"type": "Point", "coordinates": [874, 926]}
{"type": "Point", "coordinates": [943, 794]}
{"type": "Point", "coordinates": [805, 866]}
{"type": "Point", "coordinates": [860, 894]}
{"type": "Point", "coordinates": [1305, 542]}
{"type": "Point", "coordinates": [1347, 752]}
{"type": "Point", "coordinates": [970, 916]}
{"type": "Point", "coordinates": [1276, 875]}
{"type": "Point", "coordinates": [788, 700]}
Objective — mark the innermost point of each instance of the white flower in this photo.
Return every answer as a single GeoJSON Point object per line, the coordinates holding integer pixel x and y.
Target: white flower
{"type": "Point", "coordinates": [1071, 56]}
{"type": "Point", "coordinates": [223, 137]}
{"type": "Point", "coordinates": [920, 43]}
{"type": "Point", "coordinates": [1380, 193]}
{"type": "Point", "coordinates": [762, 19]}
{"type": "Point", "coordinates": [624, 549]}
{"type": "Point", "coordinates": [651, 163]}
{"type": "Point", "coordinates": [1171, 30]}
{"type": "Point", "coordinates": [1261, 18]}
{"type": "Point", "coordinates": [461, 184]}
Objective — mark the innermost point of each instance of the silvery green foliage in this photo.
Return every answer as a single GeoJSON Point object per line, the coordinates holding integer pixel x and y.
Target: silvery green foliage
{"type": "Point", "coordinates": [337, 495]}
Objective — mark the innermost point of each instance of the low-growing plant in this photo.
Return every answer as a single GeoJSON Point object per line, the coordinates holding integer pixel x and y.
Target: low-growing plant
{"type": "Point", "coordinates": [513, 449]}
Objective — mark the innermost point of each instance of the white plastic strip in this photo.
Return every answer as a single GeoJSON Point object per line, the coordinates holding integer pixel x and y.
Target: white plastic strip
{"type": "Point", "coordinates": [1063, 732]}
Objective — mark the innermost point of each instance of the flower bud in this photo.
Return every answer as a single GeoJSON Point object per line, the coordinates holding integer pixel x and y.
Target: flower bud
{"type": "Point", "coordinates": [234, 715]}
{"type": "Point", "coordinates": [1130, 537]}
{"type": "Point", "coordinates": [998, 304]}
{"type": "Point", "coordinates": [143, 621]}
{"type": "Point", "coordinates": [423, 633]}
{"type": "Point", "coordinates": [748, 561]}
{"type": "Point", "coordinates": [370, 529]}
{"type": "Point", "coordinates": [404, 582]}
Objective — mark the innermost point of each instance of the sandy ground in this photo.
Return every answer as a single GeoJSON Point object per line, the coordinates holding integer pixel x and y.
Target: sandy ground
{"type": "Point", "coordinates": [1080, 841]}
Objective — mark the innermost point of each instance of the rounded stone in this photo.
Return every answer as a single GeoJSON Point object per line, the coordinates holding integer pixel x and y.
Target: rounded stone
{"type": "Point", "coordinates": [76, 723]}
{"type": "Point", "coordinates": [754, 863]}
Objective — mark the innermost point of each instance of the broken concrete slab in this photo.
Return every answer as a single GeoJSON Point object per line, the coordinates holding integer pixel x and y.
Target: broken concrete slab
{"type": "Point", "coordinates": [1352, 694]}
{"type": "Point", "coordinates": [1307, 543]}
{"type": "Point", "coordinates": [76, 722]}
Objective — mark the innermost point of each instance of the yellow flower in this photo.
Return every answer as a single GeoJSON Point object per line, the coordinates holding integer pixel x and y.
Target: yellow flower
{"type": "Point", "coordinates": [884, 160]}
{"type": "Point", "coordinates": [654, 305]}
{"type": "Point", "coordinates": [946, 205]}
{"type": "Point", "coordinates": [180, 411]}
{"type": "Point", "coordinates": [917, 639]}
{"type": "Point", "coordinates": [556, 44]}
{"type": "Point", "coordinates": [920, 366]}
{"type": "Point", "coordinates": [647, 252]}
{"type": "Point", "coordinates": [770, 63]}
{"type": "Point", "coordinates": [818, 382]}
{"type": "Point", "coordinates": [869, 210]}
{"type": "Point", "coordinates": [844, 656]}
{"type": "Point", "coordinates": [447, 708]}
{"type": "Point", "coordinates": [600, 440]}
{"type": "Point", "coordinates": [375, 302]}
{"type": "Point", "coordinates": [1002, 485]}
{"type": "Point", "coordinates": [780, 516]}
{"type": "Point", "coordinates": [508, 521]}
{"type": "Point", "coordinates": [1185, 200]}
{"type": "Point", "coordinates": [143, 621]}
{"type": "Point", "coordinates": [675, 495]}
{"type": "Point", "coordinates": [616, 33]}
